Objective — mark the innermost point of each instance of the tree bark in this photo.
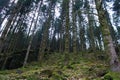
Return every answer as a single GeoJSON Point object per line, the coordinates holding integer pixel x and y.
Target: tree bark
{"type": "Point", "coordinates": [108, 43]}
{"type": "Point", "coordinates": [45, 35]}
{"type": "Point", "coordinates": [32, 36]}
{"type": "Point", "coordinates": [74, 27]}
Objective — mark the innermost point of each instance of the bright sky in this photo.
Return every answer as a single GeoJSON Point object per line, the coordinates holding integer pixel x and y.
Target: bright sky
{"type": "Point", "coordinates": [57, 12]}
{"type": "Point", "coordinates": [109, 8]}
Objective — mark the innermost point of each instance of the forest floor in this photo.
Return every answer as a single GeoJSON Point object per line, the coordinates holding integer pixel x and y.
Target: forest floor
{"type": "Point", "coordinates": [55, 67]}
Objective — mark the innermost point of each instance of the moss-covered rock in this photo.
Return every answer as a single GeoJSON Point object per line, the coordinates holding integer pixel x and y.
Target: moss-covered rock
{"type": "Point", "coordinates": [46, 74]}
{"type": "Point", "coordinates": [112, 76]}
{"type": "Point", "coordinates": [108, 77]}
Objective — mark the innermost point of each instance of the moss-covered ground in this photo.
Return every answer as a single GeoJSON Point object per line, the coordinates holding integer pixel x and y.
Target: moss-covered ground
{"type": "Point", "coordinates": [55, 67]}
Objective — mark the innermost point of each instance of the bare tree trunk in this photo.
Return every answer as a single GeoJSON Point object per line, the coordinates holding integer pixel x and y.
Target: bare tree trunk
{"type": "Point", "coordinates": [9, 47]}
{"type": "Point", "coordinates": [7, 26]}
{"type": "Point", "coordinates": [32, 36]}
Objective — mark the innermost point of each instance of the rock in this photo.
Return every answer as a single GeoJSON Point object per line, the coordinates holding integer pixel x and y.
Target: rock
{"type": "Point", "coordinates": [19, 71]}
{"type": "Point", "coordinates": [101, 73]}
{"type": "Point", "coordinates": [47, 73]}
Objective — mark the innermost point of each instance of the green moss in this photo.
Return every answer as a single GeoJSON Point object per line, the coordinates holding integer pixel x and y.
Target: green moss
{"type": "Point", "coordinates": [58, 75]}
{"type": "Point", "coordinates": [112, 76]}
{"type": "Point", "coordinates": [78, 67]}
{"type": "Point", "coordinates": [4, 77]}
{"type": "Point", "coordinates": [108, 77]}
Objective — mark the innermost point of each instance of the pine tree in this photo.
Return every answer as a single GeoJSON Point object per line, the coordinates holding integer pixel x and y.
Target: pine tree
{"type": "Point", "coordinates": [108, 43]}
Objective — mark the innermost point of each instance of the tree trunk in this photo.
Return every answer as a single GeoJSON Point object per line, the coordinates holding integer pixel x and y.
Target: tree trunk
{"type": "Point", "coordinates": [45, 35]}
{"type": "Point", "coordinates": [7, 26]}
{"type": "Point", "coordinates": [67, 32]}
{"type": "Point", "coordinates": [67, 27]}
{"type": "Point", "coordinates": [108, 43]}
{"type": "Point", "coordinates": [33, 32]}
{"type": "Point", "coordinates": [74, 26]}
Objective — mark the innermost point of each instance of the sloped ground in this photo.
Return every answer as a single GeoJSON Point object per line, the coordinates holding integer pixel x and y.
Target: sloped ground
{"type": "Point", "coordinates": [55, 67]}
